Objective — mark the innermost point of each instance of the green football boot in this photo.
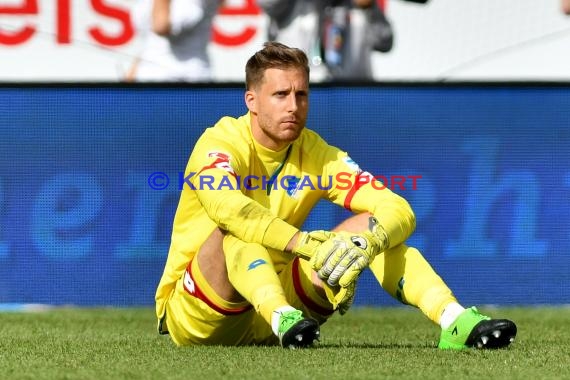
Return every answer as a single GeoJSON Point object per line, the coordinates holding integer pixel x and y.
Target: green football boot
{"type": "Point", "coordinates": [472, 329]}
{"type": "Point", "coordinates": [296, 331]}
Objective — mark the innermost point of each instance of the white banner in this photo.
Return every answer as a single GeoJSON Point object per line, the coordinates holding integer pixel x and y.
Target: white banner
{"type": "Point", "coordinates": [95, 40]}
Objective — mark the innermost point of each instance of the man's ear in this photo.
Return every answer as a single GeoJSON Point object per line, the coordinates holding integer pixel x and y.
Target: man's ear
{"type": "Point", "coordinates": [250, 101]}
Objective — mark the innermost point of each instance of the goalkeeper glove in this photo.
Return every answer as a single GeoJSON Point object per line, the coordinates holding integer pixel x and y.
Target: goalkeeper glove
{"type": "Point", "coordinates": [345, 298]}
{"type": "Point", "coordinates": [341, 298]}
{"type": "Point", "coordinates": [309, 242]}
{"type": "Point", "coordinates": [325, 249]}
{"type": "Point", "coordinates": [340, 259]}
{"type": "Point", "coordinates": [376, 235]}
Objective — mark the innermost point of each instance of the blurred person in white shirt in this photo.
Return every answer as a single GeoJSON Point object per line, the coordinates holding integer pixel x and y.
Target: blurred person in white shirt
{"type": "Point", "coordinates": [176, 34]}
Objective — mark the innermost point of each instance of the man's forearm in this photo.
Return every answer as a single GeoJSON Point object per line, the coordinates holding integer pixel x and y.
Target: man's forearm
{"type": "Point", "coordinates": [161, 17]}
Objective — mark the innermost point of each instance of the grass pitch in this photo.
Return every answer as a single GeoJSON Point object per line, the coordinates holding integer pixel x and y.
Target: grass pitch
{"type": "Point", "coordinates": [367, 343]}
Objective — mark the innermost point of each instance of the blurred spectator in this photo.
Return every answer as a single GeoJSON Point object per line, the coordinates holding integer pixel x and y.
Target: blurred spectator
{"type": "Point", "coordinates": [565, 5]}
{"type": "Point", "coordinates": [176, 34]}
{"type": "Point", "coordinates": [337, 35]}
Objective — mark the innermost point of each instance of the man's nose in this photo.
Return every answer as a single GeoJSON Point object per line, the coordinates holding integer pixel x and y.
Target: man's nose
{"type": "Point", "coordinates": [292, 105]}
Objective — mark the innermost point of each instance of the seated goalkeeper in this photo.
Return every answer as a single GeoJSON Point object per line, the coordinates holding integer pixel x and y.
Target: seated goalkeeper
{"type": "Point", "coordinates": [239, 270]}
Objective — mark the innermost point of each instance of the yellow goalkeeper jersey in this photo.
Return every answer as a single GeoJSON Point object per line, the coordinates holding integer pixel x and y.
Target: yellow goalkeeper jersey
{"type": "Point", "coordinates": [262, 196]}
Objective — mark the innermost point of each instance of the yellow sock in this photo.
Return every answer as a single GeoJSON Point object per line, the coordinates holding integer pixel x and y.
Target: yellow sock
{"type": "Point", "coordinates": [407, 276]}
{"type": "Point", "coordinates": [251, 272]}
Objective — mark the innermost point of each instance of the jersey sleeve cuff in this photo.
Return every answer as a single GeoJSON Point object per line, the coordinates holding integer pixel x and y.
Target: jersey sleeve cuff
{"type": "Point", "coordinates": [278, 234]}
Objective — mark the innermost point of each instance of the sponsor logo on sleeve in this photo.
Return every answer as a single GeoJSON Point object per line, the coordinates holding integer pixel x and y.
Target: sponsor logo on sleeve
{"type": "Point", "coordinates": [221, 161]}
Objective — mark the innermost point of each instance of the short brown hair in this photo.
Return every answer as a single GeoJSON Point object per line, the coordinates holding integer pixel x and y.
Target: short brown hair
{"type": "Point", "coordinates": [273, 55]}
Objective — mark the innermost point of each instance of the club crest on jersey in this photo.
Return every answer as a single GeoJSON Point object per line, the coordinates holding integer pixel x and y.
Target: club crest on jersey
{"type": "Point", "coordinates": [352, 164]}
{"type": "Point", "coordinates": [292, 185]}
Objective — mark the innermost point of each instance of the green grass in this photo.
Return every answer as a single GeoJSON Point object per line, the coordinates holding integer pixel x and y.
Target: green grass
{"type": "Point", "coordinates": [367, 343]}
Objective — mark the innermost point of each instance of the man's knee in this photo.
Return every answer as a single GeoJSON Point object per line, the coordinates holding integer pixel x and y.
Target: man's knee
{"type": "Point", "coordinates": [212, 263]}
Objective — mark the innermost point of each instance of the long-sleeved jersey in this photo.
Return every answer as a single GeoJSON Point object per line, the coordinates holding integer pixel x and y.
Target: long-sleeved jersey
{"type": "Point", "coordinates": [262, 196]}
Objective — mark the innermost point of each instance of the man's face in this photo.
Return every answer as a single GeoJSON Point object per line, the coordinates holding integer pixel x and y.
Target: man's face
{"type": "Point", "coordinates": [279, 107]}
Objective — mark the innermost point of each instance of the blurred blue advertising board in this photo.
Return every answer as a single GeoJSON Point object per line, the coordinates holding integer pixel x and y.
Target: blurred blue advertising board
{"type": "Point", "coordinates": [485, 167]}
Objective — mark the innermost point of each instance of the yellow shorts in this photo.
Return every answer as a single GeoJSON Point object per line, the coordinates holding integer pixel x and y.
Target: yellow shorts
{"type": "Point", "coordinates": [192, 318]}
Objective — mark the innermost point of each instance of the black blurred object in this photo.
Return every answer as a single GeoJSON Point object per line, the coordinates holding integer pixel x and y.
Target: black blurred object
{"type": "Point", "coordinates": [333, 3]}
{"type": "Point", "coordinates": [278, 12]}
{"type": "Point", "coordinates": [380, 33]}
